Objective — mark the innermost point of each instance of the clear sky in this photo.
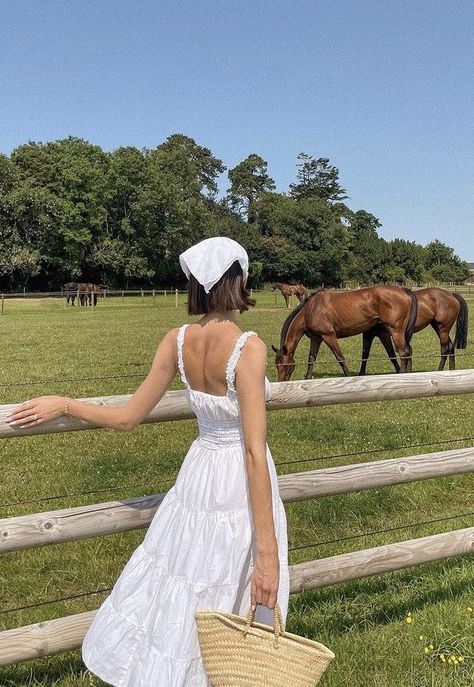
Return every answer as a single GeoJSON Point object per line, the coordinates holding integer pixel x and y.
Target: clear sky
{"type": "Point", "coordinates": [382, 88]}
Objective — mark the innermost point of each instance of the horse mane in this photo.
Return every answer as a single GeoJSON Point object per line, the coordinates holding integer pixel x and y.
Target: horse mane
{"type": "Point", "coordinates": [293, 314]}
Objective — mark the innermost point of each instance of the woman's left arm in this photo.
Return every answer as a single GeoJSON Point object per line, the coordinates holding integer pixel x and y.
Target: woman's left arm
{"type": "Point", "coordinates": [43, 409]}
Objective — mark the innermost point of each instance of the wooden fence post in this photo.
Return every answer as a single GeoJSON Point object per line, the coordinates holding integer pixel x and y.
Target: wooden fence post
{"type": "Point", "coordinates": [3, 303]}
{"type": "Point", "coordinates": [154, 297]}
{"type": "Point", "coordinates": [176, 297]}
{"type": "Point", "coordinates": [142, 294]}
{"type": "Point", "coordinates": [122, 295]}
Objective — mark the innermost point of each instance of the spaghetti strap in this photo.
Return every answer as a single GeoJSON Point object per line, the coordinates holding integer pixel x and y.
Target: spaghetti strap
{"type": "Point", "coordinates": [234, 359]}
{"type": "Point", "coordinates": [179, 344]}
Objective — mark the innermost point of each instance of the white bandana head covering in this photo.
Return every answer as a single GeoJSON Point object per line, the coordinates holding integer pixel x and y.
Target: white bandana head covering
{"type": "Point", "coordinates": [208, 260]}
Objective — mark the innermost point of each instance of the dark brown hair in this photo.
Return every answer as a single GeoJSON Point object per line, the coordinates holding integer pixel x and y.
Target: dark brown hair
{"type": "Point", "coordinates": [228, 294]}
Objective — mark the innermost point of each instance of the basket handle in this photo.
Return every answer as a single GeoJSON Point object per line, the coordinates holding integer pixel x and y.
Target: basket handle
{"type": "Point", "coordinates": [278, 624]}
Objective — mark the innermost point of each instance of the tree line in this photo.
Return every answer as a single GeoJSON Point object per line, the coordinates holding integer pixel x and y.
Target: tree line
{"type": "Point", "coordinates": [70, 211]}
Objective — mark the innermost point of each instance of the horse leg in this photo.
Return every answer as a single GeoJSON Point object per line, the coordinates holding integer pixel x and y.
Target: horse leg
{"type": "Point", "coordinates": [331, 341]}
{"type": "Point", "coordinates": [404, 349]}
{"type": "Point", "coordinates": [313, 352]}
{"type": "Point", "coordinates": [446, 346]}
{"type": "Point", "coordinates": [367, 338]}
{"type": "Point", "coordinates": [452, 354]}
{"type": "Point", "coordinates": [386, 340]}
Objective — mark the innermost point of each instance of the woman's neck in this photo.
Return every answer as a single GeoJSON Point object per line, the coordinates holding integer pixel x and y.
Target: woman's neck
{"type": "Point", "coordinates": [220, 316]}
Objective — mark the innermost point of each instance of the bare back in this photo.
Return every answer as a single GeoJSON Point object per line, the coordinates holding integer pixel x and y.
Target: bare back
{"type": "Point", "coordinates": [206, 355]}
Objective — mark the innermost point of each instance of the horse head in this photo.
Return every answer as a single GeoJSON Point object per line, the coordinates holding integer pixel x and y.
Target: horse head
{"type": "Point", "coordinates": [285, 363]}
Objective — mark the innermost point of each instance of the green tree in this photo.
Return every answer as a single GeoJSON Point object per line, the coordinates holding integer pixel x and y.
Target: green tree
{"type": "Point", "coordinates": [302, 239]}
{"type": "Point", "coordinates": [317, 178]}
{"type": "Point", "coordinates": [184, 159]}
{"type": "Point", "coordinates": [7, 174]}
{"type": "Point", "coordinates": [248, 181]}
{"type": "Point", "coordinates": [408, 257]}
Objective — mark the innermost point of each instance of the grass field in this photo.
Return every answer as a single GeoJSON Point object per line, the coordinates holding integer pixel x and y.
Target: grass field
{"type": "Point", "coordinates": [47, 348]}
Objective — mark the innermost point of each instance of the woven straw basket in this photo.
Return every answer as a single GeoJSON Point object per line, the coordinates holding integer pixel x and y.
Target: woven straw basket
{"type": "Point", "coordinates": [238, 652]}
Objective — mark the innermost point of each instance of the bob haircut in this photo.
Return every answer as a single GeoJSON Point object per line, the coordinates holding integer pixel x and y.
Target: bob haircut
{"type": "Point", "coordinates": [229, 293]}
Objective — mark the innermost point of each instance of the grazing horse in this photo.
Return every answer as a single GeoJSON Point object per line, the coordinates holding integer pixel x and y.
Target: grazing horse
{"type": "Point", "coordinates": [438, 308]}
{"type": "Point", "coordinates": [328, 315]}
{"type": "Point", "coordinates": [288, 290]}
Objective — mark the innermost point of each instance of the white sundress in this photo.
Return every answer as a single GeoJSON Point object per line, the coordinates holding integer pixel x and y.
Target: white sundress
{"type": "Point", "coordinates": [198, 554]}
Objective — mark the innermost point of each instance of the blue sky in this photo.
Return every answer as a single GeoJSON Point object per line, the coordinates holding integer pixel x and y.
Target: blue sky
{"type": "Point", "coordinates": [382, 88]}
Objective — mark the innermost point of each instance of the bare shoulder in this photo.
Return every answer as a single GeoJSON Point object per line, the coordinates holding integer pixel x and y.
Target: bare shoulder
{"type": "Point", "coordinates": [255, 350]}
{"type": "Point", "coordinates": [168, 342]}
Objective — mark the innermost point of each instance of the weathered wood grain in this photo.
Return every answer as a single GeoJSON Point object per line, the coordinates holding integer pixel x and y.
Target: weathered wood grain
{"type": "Point", "coordinates": [83, 522]}
{"type": "Point", "coordinates": [297, 394]}
{"type": "Point", "coordinates": [63, 634]}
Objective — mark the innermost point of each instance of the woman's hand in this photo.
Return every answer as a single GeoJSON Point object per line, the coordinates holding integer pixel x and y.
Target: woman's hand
{"type": "Point", "coordinates": [36, 411]}
{"type": "Point", "coordinates": [265, 580]}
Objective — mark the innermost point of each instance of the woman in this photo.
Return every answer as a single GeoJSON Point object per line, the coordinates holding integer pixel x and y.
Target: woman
{"type": "Point", "coordinates": [218, 540]}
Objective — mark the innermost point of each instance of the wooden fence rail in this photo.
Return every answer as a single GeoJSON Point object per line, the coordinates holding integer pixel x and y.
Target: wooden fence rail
{"type": "Point", "coordinates": [71, 524]}
{"type": "Point", "coordinates": [83, 522]}
{"type": "Point", "coordinates": [284, 395]}
{"type": "Point", "coordinates": [63, 634]}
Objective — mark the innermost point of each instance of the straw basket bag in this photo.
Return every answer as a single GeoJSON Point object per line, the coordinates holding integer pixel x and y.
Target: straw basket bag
{"type": "Point", "coordinates": [238, 652]}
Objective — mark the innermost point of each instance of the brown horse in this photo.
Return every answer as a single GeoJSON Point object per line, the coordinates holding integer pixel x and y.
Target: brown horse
{"type": "Point", "coordinates": [438, 308]}
{"type": "Point", "coordinates": [326, 316]}
{"type": "Point", "coordinates": [288, 290]}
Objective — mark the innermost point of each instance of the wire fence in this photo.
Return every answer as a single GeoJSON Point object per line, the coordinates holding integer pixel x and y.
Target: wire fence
{"type": "Point", "coordinates": [110, 488]}
{"type": "Point", "coordinates": [298, 364]}
{"type": "Point", "coordinates": [339, 540]}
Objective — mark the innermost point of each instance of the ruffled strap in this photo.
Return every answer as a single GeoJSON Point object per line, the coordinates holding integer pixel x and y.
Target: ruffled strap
{"type": "Point", "coordinates": [179, 344]}
{"type": "Point", "coordinates": [234, 359]}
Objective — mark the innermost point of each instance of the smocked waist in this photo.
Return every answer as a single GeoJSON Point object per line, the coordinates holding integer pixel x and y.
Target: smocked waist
{"type": "Point", "coordinates": [217, 434]}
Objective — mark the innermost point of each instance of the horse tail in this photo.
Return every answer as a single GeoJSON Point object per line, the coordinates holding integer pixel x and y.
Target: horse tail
{"type": "Point", "coordinates": [460, 339]}
{"type": "Point", "coordinates": [410, 326]}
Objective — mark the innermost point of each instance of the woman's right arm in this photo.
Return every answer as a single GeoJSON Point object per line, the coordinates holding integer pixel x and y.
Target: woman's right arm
{"type": "Point", "coordinates": [124, 418]}
{"type": "Point", "coordinates": [250, 385]}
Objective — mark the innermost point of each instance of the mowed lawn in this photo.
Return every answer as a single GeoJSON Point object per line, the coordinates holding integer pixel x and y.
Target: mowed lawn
{"type": "Point", "coordinates": [46, 348]}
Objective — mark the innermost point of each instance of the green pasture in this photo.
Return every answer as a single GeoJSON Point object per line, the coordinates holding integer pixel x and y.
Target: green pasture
{"type": "Point", "coordinates": [373, 625]}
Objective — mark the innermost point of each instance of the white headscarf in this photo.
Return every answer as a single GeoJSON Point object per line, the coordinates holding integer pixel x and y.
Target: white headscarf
{"type": "Point", "coordinates": [208, 260]}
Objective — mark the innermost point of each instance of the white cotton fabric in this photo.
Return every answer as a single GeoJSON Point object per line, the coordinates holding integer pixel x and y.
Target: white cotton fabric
{"type": "Point", "coordinates": [208, 260]}
{"type": "Point", "coordinates": [198, 554]}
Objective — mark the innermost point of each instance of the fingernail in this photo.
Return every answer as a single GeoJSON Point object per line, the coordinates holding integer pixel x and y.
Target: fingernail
{"type": "Point", "coordinates": [12, 422]}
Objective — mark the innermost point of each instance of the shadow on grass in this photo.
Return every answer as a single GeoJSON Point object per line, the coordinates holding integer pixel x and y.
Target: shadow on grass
{"type": "Point", "coordinates": [380, 600]}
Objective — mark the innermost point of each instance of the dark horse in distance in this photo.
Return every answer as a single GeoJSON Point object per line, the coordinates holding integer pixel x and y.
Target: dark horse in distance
{"type": "Point", "coordinates": [87, 292]}
{"type": "Point", "coordinates": [437, 308]}
{"type": "Point", "coordinates": [326, 316]}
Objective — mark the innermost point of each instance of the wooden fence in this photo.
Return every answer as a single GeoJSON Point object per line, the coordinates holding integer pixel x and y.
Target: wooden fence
{"type": "Point", "coordinates": [53, 527]}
